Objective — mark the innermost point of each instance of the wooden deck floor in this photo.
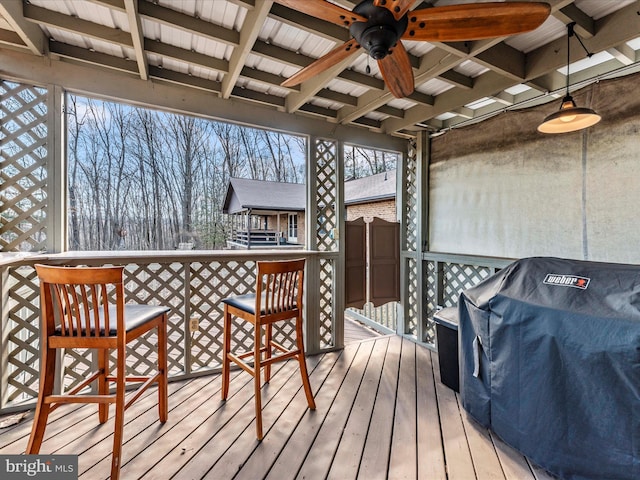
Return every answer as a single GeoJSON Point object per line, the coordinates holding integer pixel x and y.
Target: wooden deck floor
{"type": "Point", "coordinates": [355, 331]}
{"type": "Point", "coordinates": [381, 413]}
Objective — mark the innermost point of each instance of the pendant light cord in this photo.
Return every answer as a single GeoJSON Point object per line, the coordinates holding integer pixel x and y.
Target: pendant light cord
{"type": "Point", "coordinates": [570, 33]}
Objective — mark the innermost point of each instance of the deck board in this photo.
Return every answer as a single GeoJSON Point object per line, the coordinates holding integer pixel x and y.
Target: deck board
{"type": "Point", "coordinates": [431, 461]}
{"type": "Point", "coordinates": [382, 412]}
{"type": "Point", "coordinates": [403, 463]}
{"type": "Point", "coordinates": [375, 457]}
{"type": "Point", "coordinates": [328, 439]}
{"type": "Point", "coordinates": [346, 460]}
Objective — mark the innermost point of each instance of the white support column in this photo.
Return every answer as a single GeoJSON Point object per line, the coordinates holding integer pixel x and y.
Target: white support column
{"type": "Point", "coordinates": [413, 199]}
{"type": "Point", "coordinates": [312, 282]}
{"type": "Point", "coordinates": [56, 221]}
{"type": "Point", "coordinates": [339, 268]}
{"type": "Point", "coordinates": [422, 182]}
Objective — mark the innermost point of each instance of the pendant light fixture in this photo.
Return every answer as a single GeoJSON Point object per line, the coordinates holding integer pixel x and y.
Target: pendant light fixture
{"type": "Point", "coordinates": [570, 117]}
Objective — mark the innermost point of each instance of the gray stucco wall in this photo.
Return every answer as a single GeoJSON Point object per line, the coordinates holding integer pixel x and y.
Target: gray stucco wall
{"type": "Point", "coordinates": [502, 189]}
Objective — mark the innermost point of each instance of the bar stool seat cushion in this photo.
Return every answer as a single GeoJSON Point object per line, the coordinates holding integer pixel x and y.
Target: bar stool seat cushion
{"type": "Point", "coordinates": [134, 317]}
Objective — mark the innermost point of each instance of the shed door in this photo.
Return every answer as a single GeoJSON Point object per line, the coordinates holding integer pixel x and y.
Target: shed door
{"type": "Point", "coordinates": [375, 245]}
{"type": "Point", "coordinates": [384, 261]}
{"type": "Point", "coordinates": [355, 264]}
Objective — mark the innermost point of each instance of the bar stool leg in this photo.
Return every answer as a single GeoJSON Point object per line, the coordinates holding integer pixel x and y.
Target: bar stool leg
{"type": "Point", "coordinates": [47, 376]}
{"type": "Point", "coordinates": [226, 347]}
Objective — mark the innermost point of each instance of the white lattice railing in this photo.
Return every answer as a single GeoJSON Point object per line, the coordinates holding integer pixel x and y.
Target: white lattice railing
{"type": "Point", "coordinates": [449, 274]}
{"type": "Point", "coordinates": [191, 283]}
{"type": "Point", "coordinates": [383, 318]}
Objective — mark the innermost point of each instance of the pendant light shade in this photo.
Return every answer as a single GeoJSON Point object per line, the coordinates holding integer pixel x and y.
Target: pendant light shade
{"type": "Point", "coordinates": [570, 117]}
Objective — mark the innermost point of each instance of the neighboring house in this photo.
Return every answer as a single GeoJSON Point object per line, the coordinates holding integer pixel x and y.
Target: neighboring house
{"type": "Point", "coordinates": [272, 214]}
{"type": "Point", "coordinates": [373, 196]}
{"type": "Point", "coordinates": [265, 214]}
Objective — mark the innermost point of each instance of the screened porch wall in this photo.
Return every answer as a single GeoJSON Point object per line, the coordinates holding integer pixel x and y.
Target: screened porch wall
{"type": "Point", "coordinates": [193, 286]}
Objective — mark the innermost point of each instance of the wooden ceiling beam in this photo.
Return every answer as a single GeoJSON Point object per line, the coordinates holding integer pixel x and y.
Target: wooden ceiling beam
{"type": "Point", "coordinates": [612, 30]}
{"type": "Point", "coordinates": [112, 4]}
{"type": "Point", "coordinates": [11, 38]}
{"type": "Point", "coordinates": [259, 97]}
{"type": "Point", "coordinates": [82, 55]}
{"type": "Point", "coordinates": [585, 26]}
{"type": "Point", "coordinates": [248, 35]}
{"type": "Point", "coordinates": [317, 110]}
{"type": "Point", "coordinates": [183, 79]}
{"type": "Point", "coordinates": [309, 24]}
{"type": "Point", "coordinates": [505, 60]}
{"type": "Point", "coordinates": [624, 54]}
{"type": "Point", "coordinates": [390, 111]}
{"type": "Point", "coordinates": [187, 23]}
{"type": "Point", "coordinates": [12, 11]}
{"type": "Point", "coordinates": [337, 97]}
{"type": "Point", "coordinates": [78, 26]}
{"type": "Point", "coordinates": [135, 26]}
{"type": "Point", "coordinates": [485, 85]}
{"type": "Point", "coordinates": [186, 56]}
{"type": "Point", "coordinates": [264, 77]}
{"type": "Point", "coordinates": [456, 79]}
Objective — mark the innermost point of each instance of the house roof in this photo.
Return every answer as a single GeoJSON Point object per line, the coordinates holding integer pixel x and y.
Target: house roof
{"type": "Point", "coordinates": [381, 186]}
{"type": "Point", "coordinates": [240, 51]}
{"type": "Point", "coordinates": [258, 195]}
{"type": "Point", "coordinates": [244, 194]}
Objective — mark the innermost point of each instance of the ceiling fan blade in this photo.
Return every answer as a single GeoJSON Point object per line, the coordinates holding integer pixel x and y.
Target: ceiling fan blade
{"type": "Point", "coordinates": [475, 21]}
{"type": "Point", "coordinates": [324, 10]}
{"type": "Point", "coordinates": [334, 56]}
{"type": "Point", "coordinates": [396, 71]}
{"type": "Point", "coordinates": [397, 7]}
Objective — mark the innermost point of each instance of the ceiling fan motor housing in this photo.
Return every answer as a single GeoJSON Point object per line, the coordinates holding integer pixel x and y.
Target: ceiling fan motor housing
{"type": "Point", "coordinates": [381, 31]}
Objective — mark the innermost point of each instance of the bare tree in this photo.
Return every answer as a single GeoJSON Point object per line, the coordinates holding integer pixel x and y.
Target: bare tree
{"type": "Point", "coordinates": [143, 179]}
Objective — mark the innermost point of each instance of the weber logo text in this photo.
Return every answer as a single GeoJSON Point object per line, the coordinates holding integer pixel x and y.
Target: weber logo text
{"type": "Point", "coordinates": [567, 281]}
{"type": "Point", "coordinates": [52, 467]}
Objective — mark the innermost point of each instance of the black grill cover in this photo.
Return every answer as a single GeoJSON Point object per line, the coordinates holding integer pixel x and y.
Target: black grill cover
{"type": "Point", "coordinates": [550, 361]}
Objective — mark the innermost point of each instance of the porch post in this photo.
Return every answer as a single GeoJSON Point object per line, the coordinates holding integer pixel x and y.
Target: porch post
{"type": "Point", "coordinates": [312, 283]}
{"type": "Point", "coordinates": [413, 199]}
{"type": "Point", "coordinates": [56, 221]}
{"type": "Point", "coordinates": [325, 222]}
{"type": "Point", "coordinates": [339, 265]}
{"type": "Point", "coordinates": [423, 151]}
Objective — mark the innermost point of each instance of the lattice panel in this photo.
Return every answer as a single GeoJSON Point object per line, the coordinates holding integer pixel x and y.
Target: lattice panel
{"type": "Point", "coordinates": [413, 290]}
{"type": "Point", "coordinates": [460, 277]}
{"type": "Point", "coordinates": [157, 284]}
{"type": "Point", "coordinates": [428, 304]}
{"type": "Point", "coordinates": [326, 181]}
{"type": "Point", "coordinates": [431, 282]}
{"type": "Point", "coordinates": [21, 339]}
{"type": "Point", "coordinates": [210, 283]}
{"type": "Point", "coordinates": [23, 145]}
{"type": "Point", "coordinates": [410, 210]}
{"type": "Point", "coordinates": [327, 269]}
{"type": "Point", "coordinates": [385, 315]}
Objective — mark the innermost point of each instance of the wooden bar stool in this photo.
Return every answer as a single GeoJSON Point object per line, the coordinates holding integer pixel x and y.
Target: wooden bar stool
{"type": "Point", "coordinates": [78, 312]}
{"type": "Point", "coordinates": [278, 297]}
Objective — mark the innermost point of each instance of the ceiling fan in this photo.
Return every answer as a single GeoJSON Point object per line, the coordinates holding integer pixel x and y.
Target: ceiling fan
{"type": "Point", "coordinates": [378, 26]}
